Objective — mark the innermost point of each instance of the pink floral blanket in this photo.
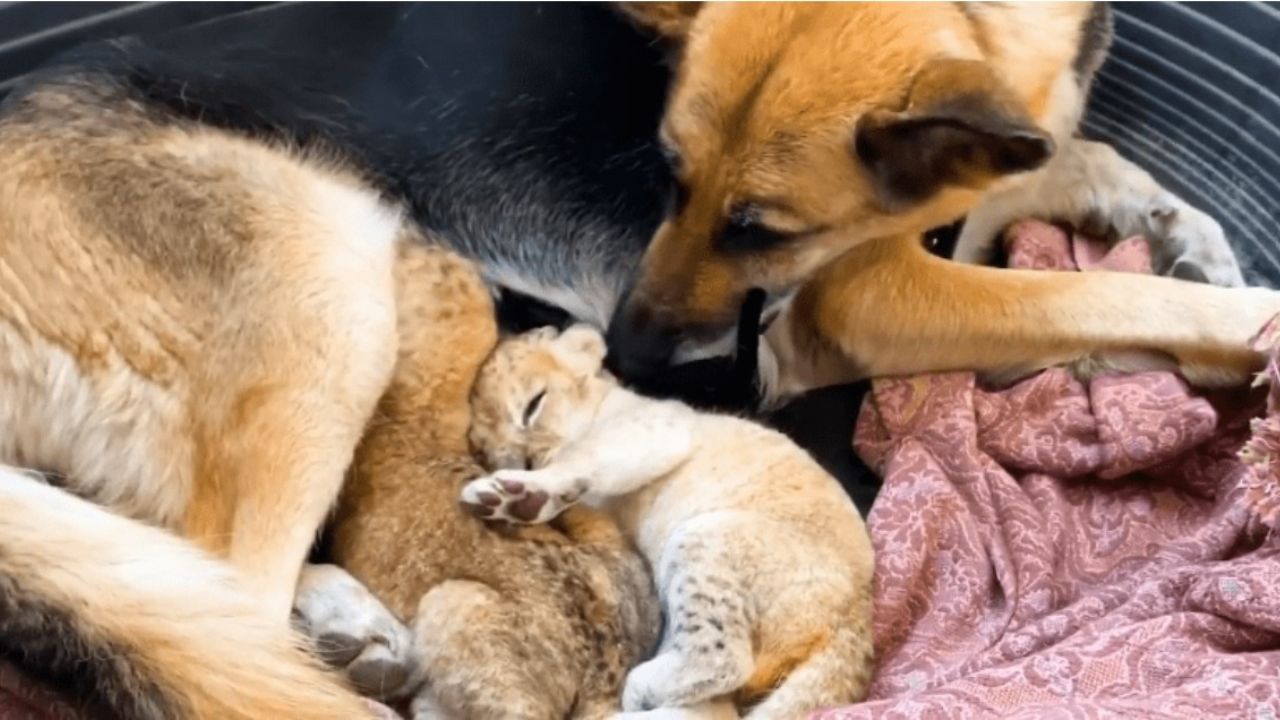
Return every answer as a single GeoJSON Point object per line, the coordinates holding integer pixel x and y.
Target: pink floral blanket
{"type": "Point", "coordinates": [1066, 550]}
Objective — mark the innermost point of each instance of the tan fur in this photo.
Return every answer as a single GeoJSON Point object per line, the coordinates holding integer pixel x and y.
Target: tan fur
{"type": "Point", "coordinates": [528, 623]}
{"type": "Point", "coordinates": [763, 564]}
{"type": "Point", "coordinates": [197, 328]}
{"type": "Point", "coordinates": [204, 286]}
{"type": "Point", "coordinates": [961, 317]}
{"type": "Point", "coordinates": [144, 599]}
{"type": "Point", "coordinates": [767, 113]}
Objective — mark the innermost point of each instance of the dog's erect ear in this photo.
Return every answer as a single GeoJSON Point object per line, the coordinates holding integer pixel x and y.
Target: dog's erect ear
{"type": "Point", "coordinates": [962, 126]}
{"type": "Point", "coordinates": [670, 20]}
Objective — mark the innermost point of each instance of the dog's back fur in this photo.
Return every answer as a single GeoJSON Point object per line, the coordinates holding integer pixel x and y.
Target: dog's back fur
{"type": "Point", "coordinates": [180, 312]}
{"type": "Point", "coordinates": [198, 325]}
{"type": "Point", "coordinates": [523, 135]}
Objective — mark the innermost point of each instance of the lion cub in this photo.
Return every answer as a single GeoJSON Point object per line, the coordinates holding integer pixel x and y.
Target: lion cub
{"type": "Point", "coordinates": [763, 564]}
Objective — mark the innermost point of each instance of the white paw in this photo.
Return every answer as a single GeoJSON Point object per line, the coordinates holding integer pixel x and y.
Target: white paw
{"type": "Point", "coordinates": [522, 496]}
{"type": "Point", "coordinates": [644, 689]}
{"type": "Point", "coordinates": [722, 710]}
{"type": "Point", "coordinates": [1246, 312]}
{"type": "Point", "coordinates": [354, 632]}
{"type": "Point", "coordinates": [1190, 245]}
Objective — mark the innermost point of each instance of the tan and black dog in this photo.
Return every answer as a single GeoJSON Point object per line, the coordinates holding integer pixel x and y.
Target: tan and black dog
{"type": "Point", "coordinates": [203, 332]}
{"type": "Point", "coordinates": [814, 143]}
{"type": "Point", "coordinates": [196, 325]}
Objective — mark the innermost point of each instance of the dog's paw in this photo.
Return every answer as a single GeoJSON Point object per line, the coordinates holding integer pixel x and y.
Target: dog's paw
{"type": "Point", "coordinates": [354, 632]}
{"type": "Point", "coordinates": [1190, 245]}
{"type": "Point", "coordinates": [522, 496]}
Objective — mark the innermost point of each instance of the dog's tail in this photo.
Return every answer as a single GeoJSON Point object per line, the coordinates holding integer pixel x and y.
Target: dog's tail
{"type": "Point", "coordinates": [138, 623]}
{"type": "Point", "coordinates": [836, 673]}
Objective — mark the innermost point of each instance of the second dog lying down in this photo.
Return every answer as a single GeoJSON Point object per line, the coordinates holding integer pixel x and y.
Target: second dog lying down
{"type": "Point", "coordinates": [763, 565]}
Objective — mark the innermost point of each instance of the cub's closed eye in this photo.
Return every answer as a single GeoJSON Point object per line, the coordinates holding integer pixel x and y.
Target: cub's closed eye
{"type": "Point", "coordinates": [533, 407]}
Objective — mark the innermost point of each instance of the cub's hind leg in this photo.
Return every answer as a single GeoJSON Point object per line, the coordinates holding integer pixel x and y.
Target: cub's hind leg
{"type": "Point", "coordinates": [707, 649]}
{"type": "Point", "coordinates": [485, 658]}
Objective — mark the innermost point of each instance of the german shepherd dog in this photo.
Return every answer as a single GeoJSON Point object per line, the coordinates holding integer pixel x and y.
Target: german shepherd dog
{"type": "Point", "coordinates": [203, 272]}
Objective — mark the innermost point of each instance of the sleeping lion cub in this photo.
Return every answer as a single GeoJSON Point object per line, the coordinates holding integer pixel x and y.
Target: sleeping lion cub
{"type": "Point", "coordinates": [763, 565]}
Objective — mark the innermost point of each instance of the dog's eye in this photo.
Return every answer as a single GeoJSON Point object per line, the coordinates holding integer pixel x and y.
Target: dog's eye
{"type": "Point", "coordinates": [671, 156]}
{"type": "Point", "coordinates": [677, 198]}
{"type": "Point", "coordinates": [746, 233]}
{"type": "Point", "coordinates": [531, 410]}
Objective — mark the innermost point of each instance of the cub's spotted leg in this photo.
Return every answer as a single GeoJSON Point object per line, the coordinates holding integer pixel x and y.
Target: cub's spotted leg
{"type": "Point", "coordinates": [706, 651]}
{"type": "Point", "coordinates": [616, 456]}
{"type": "Point", "coordinates": [1091, 186]}
{"type": "Point", "coordinates": [720, 710]}
{"type": "Point", "coordinates": [354, 632]}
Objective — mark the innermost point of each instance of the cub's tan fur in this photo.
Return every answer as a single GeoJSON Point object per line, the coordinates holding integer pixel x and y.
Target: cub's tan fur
{"type": "Point", "coordinates": [763, 564]}
{"type": "Point", "coordinates": [196, 330]}
{"type": "Point", "coordinates": [802, 133]}
{"type": "Point", "coordinates": [528, 623]}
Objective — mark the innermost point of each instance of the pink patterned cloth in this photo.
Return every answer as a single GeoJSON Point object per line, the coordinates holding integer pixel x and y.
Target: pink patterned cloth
{"type": "Point", "coordinates": [1066, 550]}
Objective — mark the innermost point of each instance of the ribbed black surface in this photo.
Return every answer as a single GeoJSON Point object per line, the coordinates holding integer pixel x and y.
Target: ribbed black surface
{"type": "Point", "coordinates": [30, 32]}
{"type": "Point", "coordinates": [1191, 91]}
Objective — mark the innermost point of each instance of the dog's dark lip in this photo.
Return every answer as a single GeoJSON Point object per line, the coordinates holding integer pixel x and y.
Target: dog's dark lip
{"type": "Point", "coordinates": [767, 318]}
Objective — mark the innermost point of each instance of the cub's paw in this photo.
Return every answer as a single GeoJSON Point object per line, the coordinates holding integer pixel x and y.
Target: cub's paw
{"type": "Point", "coordinates": [522, 496]}
{"type": "Point", "coordinates": [645, 687]}
{"type": "Point", "coordinates": [353, 632]}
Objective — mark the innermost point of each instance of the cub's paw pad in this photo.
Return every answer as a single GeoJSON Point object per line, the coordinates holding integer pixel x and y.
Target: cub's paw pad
{"type": "Point", "coordinates": [353, 632]}
{"type": "Point", "coordinates": [518, 498]}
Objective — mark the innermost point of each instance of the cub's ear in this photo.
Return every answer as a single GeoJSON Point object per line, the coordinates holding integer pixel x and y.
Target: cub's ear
{"type": "Point", "coordinates": [582, 348]}
{"type": "Point", "coordinates": [670, 20]}
{"type": "Point", "coordinates": [962, 126]}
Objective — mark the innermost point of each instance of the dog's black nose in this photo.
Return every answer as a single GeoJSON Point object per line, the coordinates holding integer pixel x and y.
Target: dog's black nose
{"type": "Point", "coordinates": [640, 344]}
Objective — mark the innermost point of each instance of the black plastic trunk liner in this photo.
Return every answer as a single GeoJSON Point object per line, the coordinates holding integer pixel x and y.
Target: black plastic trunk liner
{"type": "Point", "coordinates": [1191, 90]}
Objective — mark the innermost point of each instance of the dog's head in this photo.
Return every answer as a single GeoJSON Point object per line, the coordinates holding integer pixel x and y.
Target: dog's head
{"type": "Point", "coordinates": [796, 131]}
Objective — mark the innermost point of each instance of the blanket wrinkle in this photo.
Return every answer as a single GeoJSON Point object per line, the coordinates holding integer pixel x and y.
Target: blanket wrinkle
{"type": "Point", "coordinates": [1068, 549]}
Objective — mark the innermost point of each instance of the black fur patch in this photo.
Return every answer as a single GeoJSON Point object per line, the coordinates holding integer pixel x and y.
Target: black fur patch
{"type": "Point", "coordinates": [521, 135]}
{"type": "Point", "coordinates": [1095, 41]}
{"type": "Point", "coordinates": [50, 642]}
{"type": "Point", "coordinates": [519, 313]}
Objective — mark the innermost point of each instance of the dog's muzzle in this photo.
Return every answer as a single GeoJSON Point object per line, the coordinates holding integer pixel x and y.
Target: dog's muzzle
{"type": "Point", "coordinates": [722, 382]}
{"type": "Point", "coordinates": [641, 342]}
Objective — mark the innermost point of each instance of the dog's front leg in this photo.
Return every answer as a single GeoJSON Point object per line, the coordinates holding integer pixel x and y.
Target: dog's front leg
{"type": "Point", "coordinates": [890, 308]}
{"type": "Point", "coordinates": [1091, 186]}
